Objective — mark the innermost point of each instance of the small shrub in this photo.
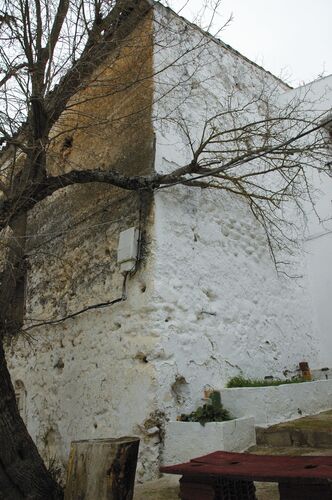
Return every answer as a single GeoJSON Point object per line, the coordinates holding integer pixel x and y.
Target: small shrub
{"type": "Point", "coordinates": [255, 382]}
{"type": "Point", "coordinates": [209, 412]}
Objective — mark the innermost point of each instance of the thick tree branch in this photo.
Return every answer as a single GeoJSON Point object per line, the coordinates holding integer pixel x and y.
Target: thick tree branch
{"type": "Point", "coordinates": [12, 71]}
{"type": "Point", "coordinates": [36, 193]}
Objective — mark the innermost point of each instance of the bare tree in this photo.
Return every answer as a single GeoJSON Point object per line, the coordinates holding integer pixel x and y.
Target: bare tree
{"type": "Point", "coordinates": [52, 63]}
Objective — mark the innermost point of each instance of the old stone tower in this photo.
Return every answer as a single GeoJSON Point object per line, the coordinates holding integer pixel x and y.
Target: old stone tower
{"type": "Point", "coordinates": [117, 353]}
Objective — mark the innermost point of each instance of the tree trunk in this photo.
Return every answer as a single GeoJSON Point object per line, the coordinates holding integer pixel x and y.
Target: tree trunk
{"type": "Point", "coordinates": [22, 471]}
{"type": "Point", "coordinates": [102, 469]}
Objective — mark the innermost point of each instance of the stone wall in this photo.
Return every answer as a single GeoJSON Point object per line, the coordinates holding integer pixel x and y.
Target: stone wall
{"type": "Point", "coordinates": [224, 309]}
{"type": "Point", "coordinates": [316, 100]}
{"type": "Point", "coordinates": [274, 404]}
{"type": "Point", "coordinates": [206, 302]}
{"type": "Point", "coordinates": [87, 376]}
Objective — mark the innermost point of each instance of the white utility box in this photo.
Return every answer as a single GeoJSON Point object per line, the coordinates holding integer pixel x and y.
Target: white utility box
{"type": "Point", "coordinates": [127, 249]}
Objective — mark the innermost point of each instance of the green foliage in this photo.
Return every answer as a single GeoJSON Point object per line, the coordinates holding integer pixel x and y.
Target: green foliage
{"type": "Point", "coordinates": [209, 412]}
{"type": "Point", "coordinates": [252, 382]}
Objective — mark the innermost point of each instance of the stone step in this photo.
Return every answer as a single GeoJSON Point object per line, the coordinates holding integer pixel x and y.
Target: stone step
{"type": "Point", "coordinates": [292, 451]}
{"type": "Point", "coordinates": [314, 431]}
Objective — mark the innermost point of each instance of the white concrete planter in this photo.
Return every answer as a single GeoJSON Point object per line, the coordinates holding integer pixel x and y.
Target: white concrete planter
{"type": "Point", "coordinates": [187, 440]}
{"type": "Point", "coordinates": [270, 405]}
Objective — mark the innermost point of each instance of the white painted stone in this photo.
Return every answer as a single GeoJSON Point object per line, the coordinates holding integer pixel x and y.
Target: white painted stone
{"type": "Point", "coordinates": [271, 405]}
{"type": "Point", "coordinates": [316, 99]}
{"type": "Point", "coordinates": [223, 309]}
{"type": "Point", "coordinates": [214, 305]}
{"type": "Point", "coordinates": [187, 440]}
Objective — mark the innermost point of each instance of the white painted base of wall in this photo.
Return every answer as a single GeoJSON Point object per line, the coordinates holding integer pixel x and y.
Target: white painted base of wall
{"type": "Point", "coordinates": [271, 405]}
{"type": "Point", "coordinates": [187, 440]}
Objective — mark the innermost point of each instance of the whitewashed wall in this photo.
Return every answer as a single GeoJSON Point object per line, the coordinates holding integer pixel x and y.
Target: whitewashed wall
{"type": "Point", "coordinates": [223, 308]}
{"type": "Point", "coordinates": [186, 440]}
{"type": "Point", "coordinates": [316, 101]}
{"type": "Point", "coordinates": [319, 259]}
{"type": "Point", "coordinates": [272, 405]}
{"type": "Point", "coordinates": [318, 240]}
{"type": "Point", "coordinates": [206, 305]}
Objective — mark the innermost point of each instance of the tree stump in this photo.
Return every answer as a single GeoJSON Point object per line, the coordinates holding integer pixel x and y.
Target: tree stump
{"type": "Point", "coordinates": [102, 469]}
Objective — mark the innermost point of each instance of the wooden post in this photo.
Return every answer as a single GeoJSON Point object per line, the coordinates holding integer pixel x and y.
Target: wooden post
{"type": "Point", "coordinates": [102, 469]}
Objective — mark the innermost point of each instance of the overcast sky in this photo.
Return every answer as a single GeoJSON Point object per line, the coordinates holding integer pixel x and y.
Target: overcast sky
{"type": "Point", "coordinates": [290, 38]}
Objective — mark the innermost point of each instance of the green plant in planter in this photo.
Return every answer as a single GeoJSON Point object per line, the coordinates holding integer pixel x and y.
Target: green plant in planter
{"type": "Point", "coordinates": [209, 412]}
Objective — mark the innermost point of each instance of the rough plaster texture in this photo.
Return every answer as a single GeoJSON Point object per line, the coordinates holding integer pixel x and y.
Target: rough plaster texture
{"type": "Point", "coordinates": [186, 440]}
{"type": "Point", "coordinates": [206, 302]}
{"type": "Point", "coordinates": [89, 377]}
{"type": "Point", "coordinates": [271, 405]}
{"type": "Point", "coordinates": [88, 380]}
{"type": "Point", "coordinates": [223, 308]}
{"type": "Point", "coordinates": [221, 300]}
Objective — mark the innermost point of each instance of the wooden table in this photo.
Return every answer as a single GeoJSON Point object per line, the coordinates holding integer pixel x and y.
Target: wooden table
{"type": "Point", "coordinates": [229, 476]}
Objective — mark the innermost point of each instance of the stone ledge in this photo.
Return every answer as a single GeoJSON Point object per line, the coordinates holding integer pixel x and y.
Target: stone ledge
{"type": "Point", "coordinates": [274, 404]}
{"type": "Point", "coordinates": [187, 440]}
